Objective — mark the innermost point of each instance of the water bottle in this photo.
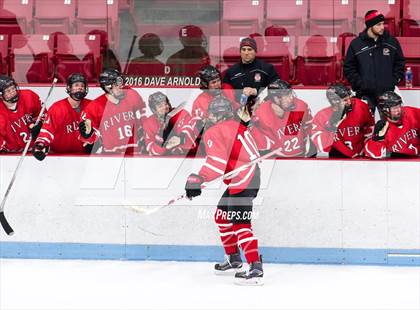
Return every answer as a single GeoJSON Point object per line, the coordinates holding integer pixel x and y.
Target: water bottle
{"type": "Point", "coordinates": [244, 100]}
{"type": "Point", "coordinates": [408, 78]}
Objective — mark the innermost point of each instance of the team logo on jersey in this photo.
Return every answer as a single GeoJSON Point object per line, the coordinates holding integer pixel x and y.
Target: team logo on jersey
{"type": "Point", "coordinates": [257, 77]}
{"type": "Point", "coordinates": [386, 51]}
{"type": "Point", "coordinates": [210, 143]}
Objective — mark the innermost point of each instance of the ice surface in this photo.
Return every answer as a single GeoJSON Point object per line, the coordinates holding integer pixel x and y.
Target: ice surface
{"type": "Point", "coordinates": [75, 284]}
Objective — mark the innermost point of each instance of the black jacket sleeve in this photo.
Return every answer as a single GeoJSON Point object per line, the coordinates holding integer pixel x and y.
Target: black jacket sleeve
{"type": "Point", "coordinates": [351, 69]}
{"type": "Point", "coordinates": [272, 74]}
{"type": "Point", "coordinates": [399, 64]}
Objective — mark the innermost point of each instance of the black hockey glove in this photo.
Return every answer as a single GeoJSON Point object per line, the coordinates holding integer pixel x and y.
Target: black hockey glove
{"type": "Point", "coordinates": [40, 151]}
{"type": "Point", "coordinates": [83, 130]}
{"type": "Point", "coordinates": [334, 119]}
{"type": "Point", "coordinates": [35, 130]}
{"type": "Point", "coordinates": [377, 134]}
{"type": "Point", "coordinates": [193, 185]}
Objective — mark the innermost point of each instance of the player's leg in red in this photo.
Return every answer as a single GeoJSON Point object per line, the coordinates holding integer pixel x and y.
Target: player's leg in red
{"type": "Point", "coordinates": [241, 206]}
{"type": "Point", "coordinates": [233, 261]}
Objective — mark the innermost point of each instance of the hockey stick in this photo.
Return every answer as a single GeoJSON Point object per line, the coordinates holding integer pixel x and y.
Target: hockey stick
{"type": "Point", "coordinates": [167, 127]}
{"type": "Point", "coordinates": [6, 226]}
{"type": "Point", "coordinates": [148, 211]}
{"type": "Point", "coordinates": [130, 51]}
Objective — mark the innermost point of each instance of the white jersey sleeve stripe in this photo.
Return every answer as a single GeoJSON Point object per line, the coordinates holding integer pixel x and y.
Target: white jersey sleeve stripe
{"type": "Point", "coordinates": [214, 168]}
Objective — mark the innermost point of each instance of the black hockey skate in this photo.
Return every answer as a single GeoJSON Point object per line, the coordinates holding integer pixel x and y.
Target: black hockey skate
{"type": "Point", "coordinates": [254, 276]}
{"type": "Point", "coordinates": [232, 263]}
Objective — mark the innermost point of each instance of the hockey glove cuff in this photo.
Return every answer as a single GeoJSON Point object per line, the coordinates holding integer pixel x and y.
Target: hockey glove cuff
{"type": "Point", "coordinates": [378, 131]}
{"type": "Point", "coordinates": [35, 130]}
{"type": "Point", "coordinates": [40, 151]}
{"type": "Point", "coordinates": [85, 132]}
{"type": "Point", "coordinates": [193, 185]}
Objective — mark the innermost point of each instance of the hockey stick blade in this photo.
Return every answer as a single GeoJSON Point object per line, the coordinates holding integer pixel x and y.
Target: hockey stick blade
{"type": "Point", "coordinates": [5, 224]}
{"type": "Point", "coordinates": [147, 211]}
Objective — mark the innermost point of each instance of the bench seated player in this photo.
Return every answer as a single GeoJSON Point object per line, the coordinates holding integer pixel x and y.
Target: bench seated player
{"type": "Point", "coordinates": [397, 134]}
{"type": "Point", "coordinates": [283, 122]}
{"type": "Point", "coordinates": [19, 110]}
{"type": "Point", "coordinates": [60, 131]}
{"type": "Point", "coordinates": [113, 121]}
{"type": "Point", "coordinates": [167, 131]}
{"type": "Point", "coordinates": [342, 128]}
{"type": "Point", "coordinates": [211, 86]}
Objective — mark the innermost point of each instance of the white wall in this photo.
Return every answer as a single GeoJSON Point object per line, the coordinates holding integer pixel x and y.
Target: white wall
{"type": "Point", "coordinates": [303, 203]}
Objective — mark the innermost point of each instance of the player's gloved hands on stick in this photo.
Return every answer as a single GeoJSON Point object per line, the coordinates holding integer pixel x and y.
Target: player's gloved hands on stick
{"type": "Point", "coordinates": [85, 129]}
{"type": "Point", "coordinates": [380, 129]}
{"type": "Point", "coordinates": [35, 129]}
{"type": "Point", "coordinates": [40, 151]}
{"type": "Point", "coordinates": [193, 185]}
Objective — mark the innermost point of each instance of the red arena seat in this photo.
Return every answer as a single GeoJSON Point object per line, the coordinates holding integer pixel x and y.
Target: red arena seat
{"type": "Point", "coordinates": [410, 22]}
{"type": "Point", "coordinates": [78, 53]}
{"type": "Point", "coordinates": [279, 51]}
{"type": "Point", "coordinates": [31, 58]}
{"type": "Point", "coordinates": [101, 15]}
{"type": "Point", "coordinates": [390, 9]}
{"type": "Point", "coordinates": [411, 50]}
{"type": "Point", "coordinates": [330, 17]}
{"type": "Point", "coordinates": [54, 15]}
{"type": "Point", "coordinates": [289, 14]}
{"type": "Point", "coordinates": [224, 51]}
{"type": "Point", "coordinates": [16, 16]}
{"type": "Point", "coordinates": [318, 61]}
{"type": "Point", "coordinates": [4, 46]}
{"type": "Point", "coordinates": [242, 17]}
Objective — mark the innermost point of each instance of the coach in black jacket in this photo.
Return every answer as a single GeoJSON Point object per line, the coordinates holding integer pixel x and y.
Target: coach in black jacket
{"type": "Point", "coordinates": [374, 61]}
{"type": "Point", "coordinates": [250, 75]}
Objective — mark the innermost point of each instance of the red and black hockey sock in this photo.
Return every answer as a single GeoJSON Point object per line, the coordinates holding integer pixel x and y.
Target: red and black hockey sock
{"type": "Point", "coordinates": [227, 235]}
{"type": "Point", "coordinates": [247, 241]}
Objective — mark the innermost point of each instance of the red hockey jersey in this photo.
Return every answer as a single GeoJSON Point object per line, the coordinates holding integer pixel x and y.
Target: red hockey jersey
{"type": "Point", "coordinates": [401, 139]}
{"type": "Point", "coordinates": [201, 103]}
{"type": "Point", "coordinates": [229, 145]}
{"type": "Point", "coordinates": [352, 131]}
{"type": "Point", "coordinates": [116, 124]}
{"type": "Point", "coordinates": [60, 130]}
{"type": "Point", "coordinates": [290, 133]}
{"type": "Point", "coordinates": [153, 133]}
{"type": "Point", "coordinates": [14, 125]}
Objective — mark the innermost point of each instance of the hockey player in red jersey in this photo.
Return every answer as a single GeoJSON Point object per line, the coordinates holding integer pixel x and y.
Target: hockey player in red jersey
{"type": "Point", "coordinates": [60, 130]}
{"type": "Point", "coordinates": [114, 119]}
{"type": "Point", "coordinates": [164, 133]}
{"type": "Point", "coordinates": [342, 128]}
{"type": "Point", "coordinates": [19, 110]}
{"type": "Point", "coordinates": [229, 145]}
{"type": "Point", "coordinates": [283, 121]}
{"type": "Point", "coordinates": [211, 86]}
{"type": "Point", "coordinates": [397, 134]}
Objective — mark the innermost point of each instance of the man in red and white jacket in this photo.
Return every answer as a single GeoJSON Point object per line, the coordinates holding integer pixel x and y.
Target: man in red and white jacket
{"type": "Point", "coordinates": [60, 131]}
{"type": "Point", "coordinates": [342, 128]}
{"type": "Point", "coordinates": [397, 134]}
{"type": "Point", "coordinates": [167, 134]}
{"type": "Point", "coordinates": [114, 119]}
